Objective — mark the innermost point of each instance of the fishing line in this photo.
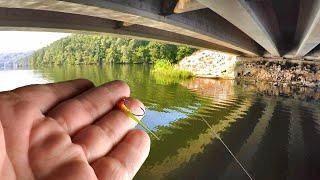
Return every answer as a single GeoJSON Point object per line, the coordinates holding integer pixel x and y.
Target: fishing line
{"type": "Point", "coordinates": [234, 157]}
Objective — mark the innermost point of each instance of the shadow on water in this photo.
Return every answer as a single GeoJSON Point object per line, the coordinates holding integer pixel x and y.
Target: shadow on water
{"type": "Point", "coordinates": [273, 151]}
{"type": "Point", "coordinates": [274, 137]}
{"type": "Point", "coordinates": [215, 155]}
{"type": "Point", "coordinates": [311, 137]}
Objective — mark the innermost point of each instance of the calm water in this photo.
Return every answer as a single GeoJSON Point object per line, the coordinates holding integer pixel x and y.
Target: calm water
{"type": "Point", "coordinates": [274, 137]}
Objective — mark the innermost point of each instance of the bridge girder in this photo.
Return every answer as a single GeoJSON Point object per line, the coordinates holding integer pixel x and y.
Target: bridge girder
{"type": "Point", "coordinates": [255, 18]}
{"type": "Point", "coordinates": [308, 30]}
{"type": "Point", "coordinates": [38, 20]}
{"type": "Point", "coordinates": [268, 28]}
{"type": "Point", "coordinates": [202, 24]}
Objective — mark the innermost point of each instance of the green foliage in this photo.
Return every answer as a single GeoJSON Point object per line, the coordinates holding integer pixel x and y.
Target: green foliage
{"type": "Point", "coordinates": [183, 51]}
{"type": "Point", "coordinates": [162, 51]}
{"type": "Point", "coordinates": [101, 49]}
{"type": "Point", "coordinates": [165, 72]}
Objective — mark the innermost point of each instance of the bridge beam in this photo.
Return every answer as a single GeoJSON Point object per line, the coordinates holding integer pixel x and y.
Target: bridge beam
{"type": "Point", "coordinates": [201, 25]}
{"type": "Point", "coordinates": [308, 30]}
{"type": "Point", "coordinates": [314, 54]}
{"type": "Point", "coordinates": [188, 5]}
{"type": "Point", "coordinates": [39, 20]}
{"type": "Point", "coordinates": [243, 14]}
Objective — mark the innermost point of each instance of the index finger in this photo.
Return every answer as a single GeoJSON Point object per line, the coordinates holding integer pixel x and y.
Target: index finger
{"type": "Point", "coordinates": [46, 96]}
{"type": "Point", "coordinates": [84, 109]}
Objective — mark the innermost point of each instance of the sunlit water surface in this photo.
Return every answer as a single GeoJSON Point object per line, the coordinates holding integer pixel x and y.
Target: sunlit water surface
{"type": "Point", "coordinates": [274, 137]}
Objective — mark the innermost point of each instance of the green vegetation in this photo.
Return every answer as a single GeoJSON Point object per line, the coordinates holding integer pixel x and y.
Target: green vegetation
{"type": "Point", "coordinates": [165, 72]}
{"type": "Point", "coordinates": [101, 49]}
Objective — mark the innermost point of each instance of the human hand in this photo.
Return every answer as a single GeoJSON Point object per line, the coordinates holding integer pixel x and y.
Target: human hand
{"type": "Point", "coordinates": [69, 130]}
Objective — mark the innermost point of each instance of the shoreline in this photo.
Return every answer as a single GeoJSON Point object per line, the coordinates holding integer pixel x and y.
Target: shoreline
{"type": "Point", "coordinates": [280, 73]}
{"type": "Point", "coordinates": [210, 64]}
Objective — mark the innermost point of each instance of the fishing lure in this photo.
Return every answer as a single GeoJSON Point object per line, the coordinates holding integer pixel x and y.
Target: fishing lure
{"type": "Point", "coordinates": [121, 104]}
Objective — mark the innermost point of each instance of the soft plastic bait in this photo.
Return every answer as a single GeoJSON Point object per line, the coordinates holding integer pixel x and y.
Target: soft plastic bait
{"type": "Point", "coordinates": [121, 104]}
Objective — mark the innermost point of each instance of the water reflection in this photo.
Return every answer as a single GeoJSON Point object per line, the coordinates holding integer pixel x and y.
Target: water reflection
{"type": "Point", "coordinates": [275, 137]}
{"type": "Point", "coordinates": [11, 79]}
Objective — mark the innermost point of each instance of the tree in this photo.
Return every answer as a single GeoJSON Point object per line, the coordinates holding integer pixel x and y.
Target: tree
{"type": "Point", "coordinates": [184, 51]}
{"type": "Point", "coordinates": [99, 49]}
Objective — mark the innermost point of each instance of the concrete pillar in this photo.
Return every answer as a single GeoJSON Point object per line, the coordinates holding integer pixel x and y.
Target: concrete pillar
{"type": "Point", "coordinates": [248, 17]}
{"type": "Point", "coordinates": [308, 29]}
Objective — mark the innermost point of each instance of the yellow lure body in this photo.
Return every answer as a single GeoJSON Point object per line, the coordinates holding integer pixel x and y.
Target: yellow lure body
{"type": "Point", "coordinates": [133, 117]}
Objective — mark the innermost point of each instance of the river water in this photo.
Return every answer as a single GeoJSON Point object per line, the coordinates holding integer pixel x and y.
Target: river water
{"type": "Point", "coordinates": [275, 137]}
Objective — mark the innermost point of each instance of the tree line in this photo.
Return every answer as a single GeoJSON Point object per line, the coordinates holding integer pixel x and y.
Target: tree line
{"type": "Point", "coordinates": [79, 49]}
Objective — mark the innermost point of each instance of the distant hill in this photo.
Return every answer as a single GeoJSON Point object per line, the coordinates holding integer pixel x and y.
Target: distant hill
{"type": "Point", "coordinates": [101, 49]}
{"type": "Point", "coordinates": [15, 58]}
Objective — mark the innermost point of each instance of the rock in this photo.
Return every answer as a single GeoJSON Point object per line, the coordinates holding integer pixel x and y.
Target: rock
{"type": "Point", "coordinates": [207, 63]}
{"type": "Point", "coordinates": [281, 73]}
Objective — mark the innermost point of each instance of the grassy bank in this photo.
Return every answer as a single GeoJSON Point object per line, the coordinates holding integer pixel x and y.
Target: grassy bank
{"type": "Point", "coordinates": [165, 72]}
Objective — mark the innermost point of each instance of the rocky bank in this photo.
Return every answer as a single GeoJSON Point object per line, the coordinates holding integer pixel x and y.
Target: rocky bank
{"type": "Point", "coordinates": [211, 64]}
{"type": "Point", "coordinates": [280, 73]}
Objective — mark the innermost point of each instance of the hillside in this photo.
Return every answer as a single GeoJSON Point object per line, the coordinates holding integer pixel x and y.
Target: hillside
{"type": "Point", "coordinates": [14, 57]}
{"type": "Point", "coordinates": [100, 49]}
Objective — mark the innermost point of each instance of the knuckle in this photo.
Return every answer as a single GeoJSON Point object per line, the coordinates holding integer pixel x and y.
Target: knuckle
{"type": "Point", "coordinates": [41, 129]}
{"type": "Point", "coordinates": [24, 107]}
{"type": "Point", "coordinates": [3, 95]}
{"type": "Point", "coordinates": [102, 136]}
{"type": "Point", "coordinates": [52, 89]}
{"type": "Point", "coordinates": [4, 98]}
{"type": "Point", "coordinates": [86, 81]}
{"type": "Point", "coordinates": [143, 136]}
{"type": "Point", "coordinates": [119, 84]}
{"type": "Point", "coordinates": [118, 168]}
{"type": "Point", "coordinates": [27, 89]}
{"type": "Point", "coordinates": [77, 151]}
{"type": "Point", "coordinates": [88, 106]}
{"type": "Point", "coordinates": [59, 139]}
{"type": "Point", "coordinates": [85, 150]}
{"type": "Point", "coordinates": [49, 147]}
{"type": "Point", "coordinates": [106, 131]}
{"type": "Point", "coordinates": [64, 124]}
{"type": "Point", "coordinates": [13, 107]}
{"type": "Point", "coordinates": [9, 96]}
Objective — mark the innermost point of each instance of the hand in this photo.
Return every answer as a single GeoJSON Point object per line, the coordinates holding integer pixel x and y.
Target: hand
{"type": "Point", "coordinates": [69, 130]}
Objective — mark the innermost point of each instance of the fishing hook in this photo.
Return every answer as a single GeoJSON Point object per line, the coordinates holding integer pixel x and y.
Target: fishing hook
{"type": "Point", "coordinates": [139, 115]}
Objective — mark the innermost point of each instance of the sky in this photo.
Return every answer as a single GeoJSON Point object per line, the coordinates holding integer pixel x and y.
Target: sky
{"type": "Point", "coordinates": [20, 41]}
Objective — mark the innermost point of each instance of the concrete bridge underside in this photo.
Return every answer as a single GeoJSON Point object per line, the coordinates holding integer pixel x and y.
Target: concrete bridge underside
{"type": "Point", "coordinates": [286, 29]}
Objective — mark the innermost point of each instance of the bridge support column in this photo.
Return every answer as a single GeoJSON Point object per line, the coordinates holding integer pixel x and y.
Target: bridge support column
{"type": "Point", "coordinates": [244, 15]}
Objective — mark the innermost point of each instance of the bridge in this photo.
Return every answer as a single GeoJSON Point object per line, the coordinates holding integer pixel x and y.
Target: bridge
{"type": "Point", "coordinates": [286, 29]}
